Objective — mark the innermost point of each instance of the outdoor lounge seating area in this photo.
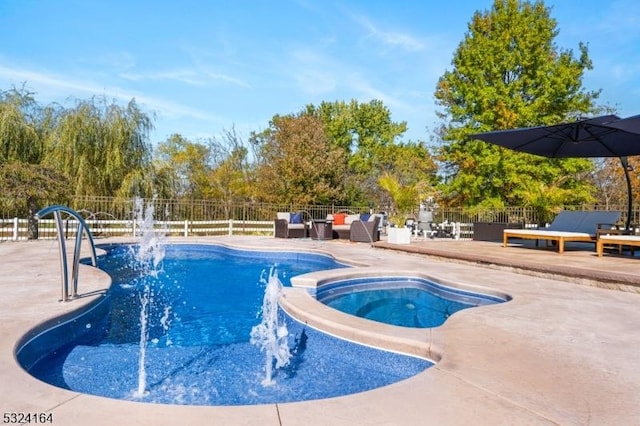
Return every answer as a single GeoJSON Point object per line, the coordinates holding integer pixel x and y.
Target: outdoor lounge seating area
{"type": "Point", "coordinates": [574, 226]}
{"type": "Point", "coordinates": [363, 228]}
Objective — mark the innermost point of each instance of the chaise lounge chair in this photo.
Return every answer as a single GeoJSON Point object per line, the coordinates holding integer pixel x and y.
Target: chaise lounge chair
{"type": "Point", "coordinates": [580, 226]}
{"type": "Point", "coordinates": [631, 241]}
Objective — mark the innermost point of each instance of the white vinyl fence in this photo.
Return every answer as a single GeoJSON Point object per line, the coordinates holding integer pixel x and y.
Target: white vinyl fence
{"type": "Point", "coordinates": [16, 229]}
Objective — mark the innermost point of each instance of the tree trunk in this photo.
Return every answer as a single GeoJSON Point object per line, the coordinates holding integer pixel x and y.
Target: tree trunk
{"type": "Point", "coordinates": [32, 227]}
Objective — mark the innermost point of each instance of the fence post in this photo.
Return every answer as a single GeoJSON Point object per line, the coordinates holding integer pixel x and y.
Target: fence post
{"type": "Point", "coordinates": [15, 229]}
{"type": "Point", "coordinates": [186, 228]}
{"type": "Point", "coordinates": [230, 226]}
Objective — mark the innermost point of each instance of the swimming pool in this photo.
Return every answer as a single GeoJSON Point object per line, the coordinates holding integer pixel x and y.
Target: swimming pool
{"type": "Point", "coordinates": [407, 301]}
{"type": "Point", "coordinates": [204, 303]}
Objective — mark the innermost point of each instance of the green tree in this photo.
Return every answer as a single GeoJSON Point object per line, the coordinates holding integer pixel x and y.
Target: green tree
{"type": "Point", "coordinates": [230, 176]}
{"type": "Point", "coordinates": [367, 136]}
{"type": "Point", "coordinates": [188, 164]}
{"type": "Point", "coordinates": [100, 146]}
{"type": "Point", "coordinates": [23, 126]}
{"type": "Point", "coordinates": [411, 170]}
{"type": "Point", "coordinates": [363, 130]}
{"type": "Point", "coordinates": [28, 187]}
{"type": "Point", "coordinates": [508, 73]}
{"type": "Point", "coordinates": [297, 163]}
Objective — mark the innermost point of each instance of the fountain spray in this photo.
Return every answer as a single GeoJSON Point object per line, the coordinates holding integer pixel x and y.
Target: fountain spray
{"type": "Point", "coordinates": [271, 335]}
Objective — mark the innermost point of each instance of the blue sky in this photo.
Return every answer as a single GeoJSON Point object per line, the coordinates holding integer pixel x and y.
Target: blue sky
{"type": "Point", "coordinates": [206, 66]}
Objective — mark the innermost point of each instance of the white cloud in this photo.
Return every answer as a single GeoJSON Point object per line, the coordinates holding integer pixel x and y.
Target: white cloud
{"type": "Point", "coordinates": [54, 88]}
{"type": "Point", "coordinates": [50, 82]}
{"type": "Point", "coordinates": [390, 38]}
{"type": "Point", "coordinates": [183, 76]}
{"type": "Point", "coordinates": [227, 79]}
{"type": "Point", "coordinates": [186, 76]}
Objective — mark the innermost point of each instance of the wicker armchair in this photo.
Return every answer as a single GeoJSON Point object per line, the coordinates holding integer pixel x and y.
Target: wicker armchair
{"type": "Point", "coordinates": [365, 231]}
{"type": "Point", "coordinates": [286, 228]}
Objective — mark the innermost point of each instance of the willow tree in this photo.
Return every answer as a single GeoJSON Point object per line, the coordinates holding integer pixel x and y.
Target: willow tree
{"type": "Point", "coordinates": [101, 147]}
{"type": "Point", "coordinates": [22, 123]}
{"type": "Point", "coordinates": [508, 73]}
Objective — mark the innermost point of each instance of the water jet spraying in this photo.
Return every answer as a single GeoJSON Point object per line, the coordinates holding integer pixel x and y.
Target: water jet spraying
{"type": "Point", "coordinates": [271, 334]}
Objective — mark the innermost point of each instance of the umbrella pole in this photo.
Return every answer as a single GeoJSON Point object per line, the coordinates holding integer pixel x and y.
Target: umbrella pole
{"type": "Point", "coordinates": [625, 165]}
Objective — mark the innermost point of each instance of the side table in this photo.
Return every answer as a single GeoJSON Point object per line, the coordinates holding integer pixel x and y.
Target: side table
{"type": "Point", "coordinates": [321, 229]}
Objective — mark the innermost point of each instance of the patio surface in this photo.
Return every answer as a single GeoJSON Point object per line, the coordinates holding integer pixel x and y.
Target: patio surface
{"type": "Point", "coordinates": [563, 351]}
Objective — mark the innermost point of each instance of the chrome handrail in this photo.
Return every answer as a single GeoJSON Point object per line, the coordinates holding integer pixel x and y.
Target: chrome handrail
{"type": "Point", "coordinates": [64, 269]}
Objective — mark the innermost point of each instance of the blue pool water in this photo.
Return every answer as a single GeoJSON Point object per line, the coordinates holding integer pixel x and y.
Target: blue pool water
{"type": "Point", "coordinates": [404, 301]}
{"type": "Point", "coordinates": [204, 302]}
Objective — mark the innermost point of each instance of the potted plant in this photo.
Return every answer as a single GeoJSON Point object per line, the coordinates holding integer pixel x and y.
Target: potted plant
{"type": "Point", "coordinates": [404, 199]}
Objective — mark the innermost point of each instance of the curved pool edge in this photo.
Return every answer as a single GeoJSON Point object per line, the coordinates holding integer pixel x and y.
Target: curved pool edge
{"type": "Point", "coordinates": [91, 303]}
{"type": "Point", "coordinates": [299, 302]}
{"type": "Point", "coordinates": [243, 245]}
{"type": "Point", "coordinates": [300, 305]}
{"type": "Point", "coordinates": [30, 306]}
{"type": "Point", "coordinates": [52, 334]}
{"type": "Point", "coordinates": [314, 279]}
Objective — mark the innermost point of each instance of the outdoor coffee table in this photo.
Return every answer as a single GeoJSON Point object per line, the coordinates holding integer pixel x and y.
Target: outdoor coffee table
{"type": "Point", "coordinates": [321, 229]}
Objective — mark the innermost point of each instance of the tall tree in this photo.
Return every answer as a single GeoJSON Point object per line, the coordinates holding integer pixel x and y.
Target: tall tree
{"type": "Point", "coordinates": [297, 163]}
{"type": "Point", "coordinates": [508, 73]}
{"type": "Point", "coordinates": [188, 163]}
{"type": "Point", "coordinates": [23, 123]}
{"type": "Point", "coordinates": [367, 136]}
{"type": "Point", "coordinates": [230, 176]}
{"type": "Point", "coordinates": [610, 180]}
{"type": "Point", "coordinates": [100, 145]}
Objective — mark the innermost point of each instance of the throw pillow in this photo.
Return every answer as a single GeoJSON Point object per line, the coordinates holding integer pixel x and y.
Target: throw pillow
{"type": "Point", "coordinates": [338, 218]}
{"type": "Point", "coordinates": [350, 218]}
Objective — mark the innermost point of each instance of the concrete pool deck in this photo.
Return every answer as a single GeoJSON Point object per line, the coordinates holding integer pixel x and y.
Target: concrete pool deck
{"type": "Point", "coordinates": [563, 351]}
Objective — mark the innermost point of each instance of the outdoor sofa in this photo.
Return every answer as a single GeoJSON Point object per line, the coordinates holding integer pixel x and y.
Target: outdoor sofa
{"type": "Point", "coordinates": [575, 226]}
{"type": "Point", "coordinates": [364, 228]}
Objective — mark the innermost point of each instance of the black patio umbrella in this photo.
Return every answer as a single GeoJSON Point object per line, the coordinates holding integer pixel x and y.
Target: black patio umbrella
{"type": "Point", "coordinates": [629, 124]}
{"type": "Point", "coordinates": [588, 138]}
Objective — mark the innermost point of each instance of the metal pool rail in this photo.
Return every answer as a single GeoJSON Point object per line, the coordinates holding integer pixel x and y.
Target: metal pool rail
{"type": "Point", "coordinates": [64, 269]}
